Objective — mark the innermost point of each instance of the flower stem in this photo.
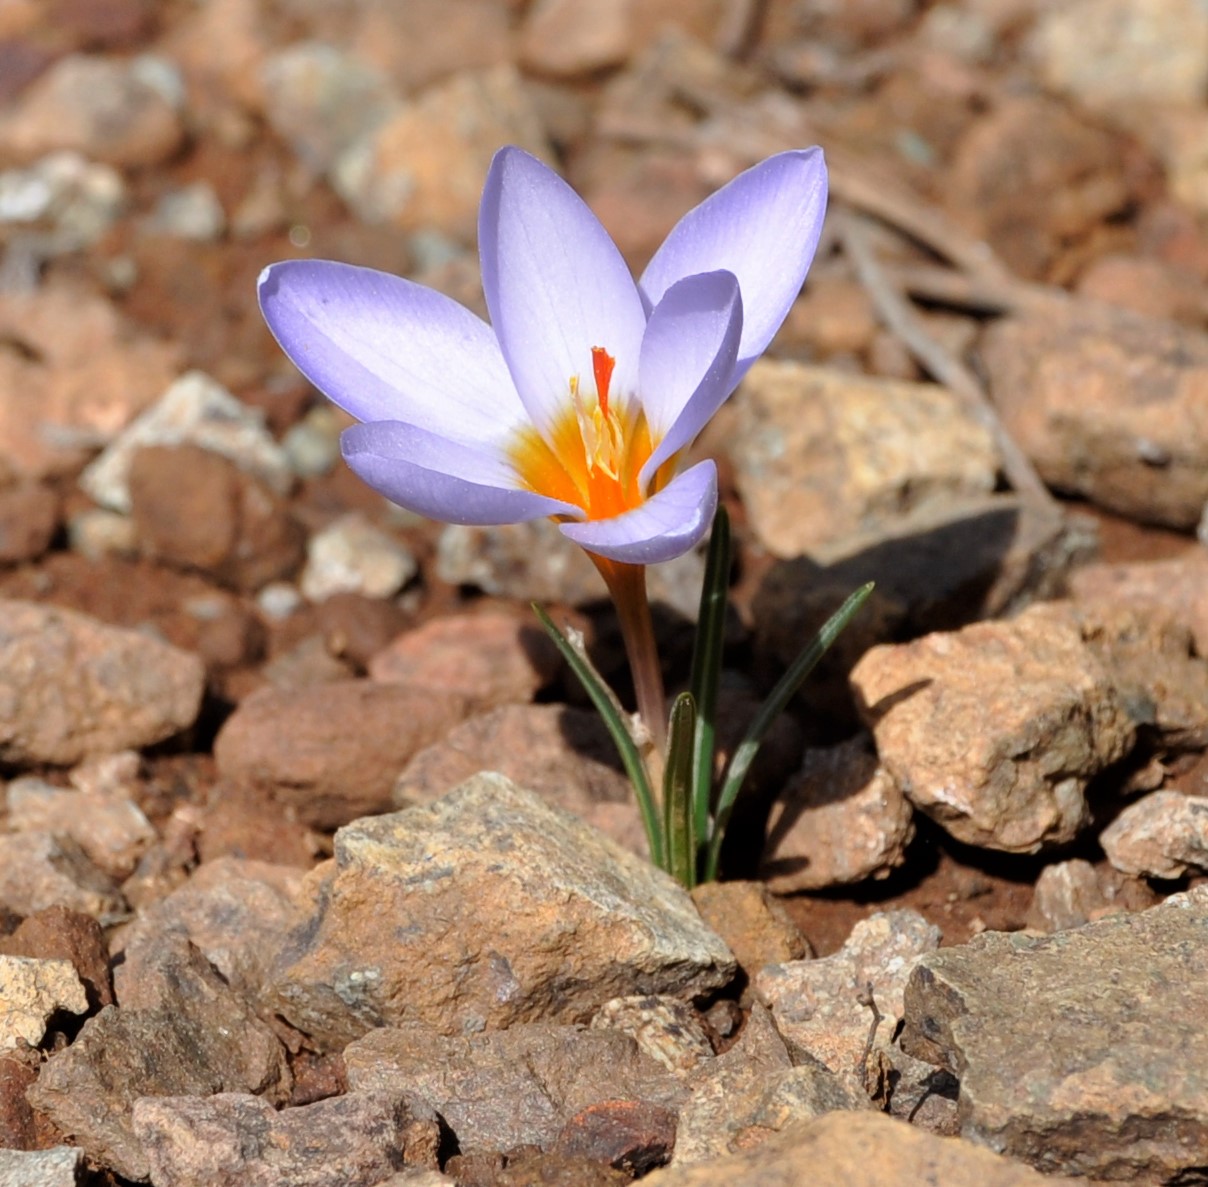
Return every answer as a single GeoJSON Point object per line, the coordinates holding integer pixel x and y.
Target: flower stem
{"type": "Point", "coordinates": [627, 585]}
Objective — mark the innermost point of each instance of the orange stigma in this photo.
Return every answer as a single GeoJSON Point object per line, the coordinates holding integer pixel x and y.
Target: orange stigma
{"type": "Point", "coordinates": [602, 364]}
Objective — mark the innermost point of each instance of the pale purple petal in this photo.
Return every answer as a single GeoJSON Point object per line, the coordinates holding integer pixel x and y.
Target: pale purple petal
{"type": "Point", "coordinates": [442, 479]}
{"type": "Point", "coordinates": [764, 227]}
{"type": "Point", "coordinates": [555, 285]}
{"type": "Point", "coordinates": [687, 360]}
{"type": "Point", "coordinates": [384, 348]}
{"type": "Point", "coordinates": [664, 526]}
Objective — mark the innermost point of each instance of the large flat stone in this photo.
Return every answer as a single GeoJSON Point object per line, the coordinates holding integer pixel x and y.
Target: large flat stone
{"type": "Point", "coordinates": [1084, 1052]}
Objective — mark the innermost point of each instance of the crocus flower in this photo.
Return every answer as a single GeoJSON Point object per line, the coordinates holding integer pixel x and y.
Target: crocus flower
{"type": "Point", "coordinates": [580, 398]}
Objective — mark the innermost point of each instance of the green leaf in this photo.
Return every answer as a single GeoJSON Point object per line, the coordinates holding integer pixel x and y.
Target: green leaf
{"type": "Point", "coordinates": [678, 824]}
{"type": "Point", "coordinates": [788, 684]}
{"type": "Point", "coordinates": [605, 702]}
{"type": "Point", "coordinates": [706, 668]}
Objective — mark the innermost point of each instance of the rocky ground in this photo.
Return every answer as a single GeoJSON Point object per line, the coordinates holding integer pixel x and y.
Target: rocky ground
{"type": "Point", "coordinates": [314, 867]}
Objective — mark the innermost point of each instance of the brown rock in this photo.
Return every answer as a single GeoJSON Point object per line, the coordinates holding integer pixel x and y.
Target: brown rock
{"type": "Point", "coordinates": [423, 168]}
{"type": "Point", "coordinates": [200, 1041]}
{"type": "Point", "coordinates": [1031, 145]}
{"type": "Point", "coordinates": [565, 755]}
{"type": "Point", "coordinates": [109, 109]}
{"type": "Point", "coordinates": [73, 375]}
{"type": "Point", "coordinates": [331, 752]}
{"type": "Point", "coordinates": [486, 659]}
{"type": "Point", "coordinates": [1109, 405]}
{"type": "Point", "coordinates": [569, 39]}
{"type": "Point", "coordinates": [552, 920]}
{"type": "Point", "coordinates": [244, 823]}
{"type": "Point", "coordinates": [110, 829]}
{"type": "Point", "coordinates": [1178, 586]}
{"type": "Point", "coordinates": [58, 933]}
{"type": "Point", "coordinates": [236, 1140]}
{"type": "Point", "coordinates": [995, 730]}
{"type": "Point", "coordinates": [1083, 1052]}
{"type": "Point", "coordinates": [856, 1149]}
{"type": "Point", "coordinates": [29, 518]}
{"type": "Point", "coordinates": [516, 1087]}
{"type": "Point", "coordinates": [76, 687]}
{"type": "Point", "coordinates": [1162, 835]}
{"type": "Point", "coordinates": [1067, 894]}
{"type": "Point", "coordinates": [821, 455]}
{"type": "Point", "coordinates": [237, 914]}
{"type": "Point", "coordinates": [1145, 284]}
{"type": "Point", "coordinates": [18, 1130]}
{"type": "Point", "coordinates": [197, 509]}
{"type": "Point", "coordinates": [843, 819]}
{"type": "Point", "coordinates": [757, 928]}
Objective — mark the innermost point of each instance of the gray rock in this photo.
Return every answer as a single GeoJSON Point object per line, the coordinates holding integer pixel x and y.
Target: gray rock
{"type": "Point", "coordinates": [56, 1167]}
{"type": "Point", "coordinates": [236, 1140]}
{"type": "Point", "coordinates": [551, 920]}
{"type": "Point", "coordinates": [1162, 835]}
{"type": "Point", "coordinates": [820, 1006]}
{"type": "Point", "coordinates": [322, 100]}
{"type": "Point", "coordinates": [192, 212]}
{"type": "Point", "coordinates": [821, 455]}
{"type": "Point", "coordinates": [1083, 1052]}
{"type": "Point", "coordinates": [199, 411]}
{"type": "Point", "coordinates": [70, 200]}
{"type": "Point", "coordinates": [509, 1088]}
{"type": "Point", "coordinates": [121, 111]}
{"type": "Point", "coordinates": [855, 1149]}
{"type": "Point", "coordinates": [352, 556]}
{"type": "Point", "coordinates": [668, 1030]}
{"type": "Point", "coordinates": [201, 1040]}
{"type": "Point", "coordinates": [562, 754]}
{"type": "Point", "coordinates": [843, 819]}
{"type": "Point", "coordinates": [30, 992]}
{"type": "Point", "coordinates": [995, 730]}
{"type": "Point", "coordinates": [75, 688]}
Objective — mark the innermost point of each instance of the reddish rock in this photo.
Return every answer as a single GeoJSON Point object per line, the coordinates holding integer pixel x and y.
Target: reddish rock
{"type": "Point", "coordinates": [487, 659]}
{"type": "Point", "coordinates": [631, 1135]}
{"type": "Point", "coordinates": [197, 509]}
{"type": "Point", "coordinates": [57, 933]}
{"type": "Point", "coordinates": [29, 518]}
{"type": "Point", "coordinates": [332, 751]}
{"type": "Point", "coordinates": [755, 925]}
{"type": "Point", "coordinates": [18, 1128]}
{"type": "Point", "coordinates": [569, 38]}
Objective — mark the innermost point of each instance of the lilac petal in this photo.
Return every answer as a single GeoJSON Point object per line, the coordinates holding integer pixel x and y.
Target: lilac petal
{"type": "Point", "coordinates": [663, 527]}
{"type": "Point", "coordinates": [764, 227]}
{"type": "Point", "coordinates": [687, 360]}
{"type": "Point", "coordinates": [384, 348]}
{"type": "Point", "coordinates": [555, 285]}
{"type": "Point", "coordinates": [442, 479]}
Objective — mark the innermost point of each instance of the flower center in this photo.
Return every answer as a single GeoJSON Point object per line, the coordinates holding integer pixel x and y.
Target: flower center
{"type": "Point", "coordinates": [596, 450]}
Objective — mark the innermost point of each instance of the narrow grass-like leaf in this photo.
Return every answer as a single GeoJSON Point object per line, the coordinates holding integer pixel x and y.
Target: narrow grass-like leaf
{"type": "Point", "coordinates": [678, 822]}
{"type": "Point", "coordinates": [706, 669]}
{"type": "Point", "coordinates": [605, 702]}
{"type": "Point", "coordinates": [788, 684]}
